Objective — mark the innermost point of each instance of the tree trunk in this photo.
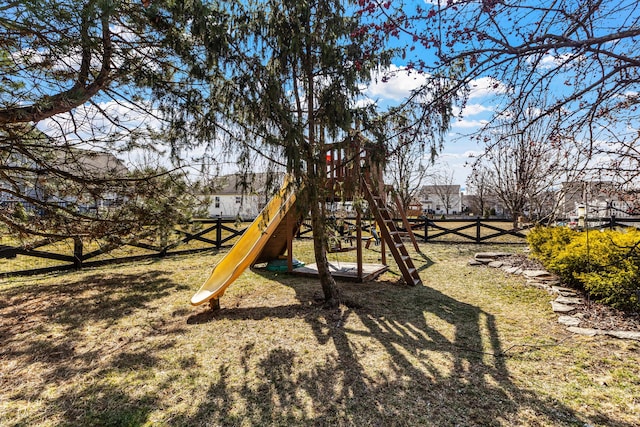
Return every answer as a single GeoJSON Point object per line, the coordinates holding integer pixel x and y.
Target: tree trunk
{"type": "Point", "coordinates": [316, 172]}
{"type": "Point", "coordinates": [328, 283]}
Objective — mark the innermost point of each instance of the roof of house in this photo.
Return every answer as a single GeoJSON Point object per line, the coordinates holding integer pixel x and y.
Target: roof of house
{"type": "Point", "coordinates": [239, 183]}
{"type": "Point", "coordinates": [446, 189]}
{"type": "Point", "coordinates": [577, 190]}
{"type": "Point", "coordinates": [89, 163]}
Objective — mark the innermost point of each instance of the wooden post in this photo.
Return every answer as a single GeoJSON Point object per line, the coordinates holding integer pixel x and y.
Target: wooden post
{"type": "Point", "coordinates": [290, 224]}
{"type": "Point", "coordinates": [77, 252]}
{"type": "Point", "coordinates": [478, 229]}
{"type": "Point", "coordinates": [219, 233]}
{"type": "Point", "coordinates": [359, 243]}
{"type": "Point", "coordinates": [426, 228]}
{"type": "Point", "coordinates": [405, 222]}
{"type": "Point", "coordinates": [383, 251]}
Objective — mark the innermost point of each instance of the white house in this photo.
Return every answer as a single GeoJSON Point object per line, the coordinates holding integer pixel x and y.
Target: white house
{"type": "Point", "coordinates": [441, 199]}
{"type": "Point", "coordinates": [599, 199]}
{"type": "Point", "coordinates": [242, 196]}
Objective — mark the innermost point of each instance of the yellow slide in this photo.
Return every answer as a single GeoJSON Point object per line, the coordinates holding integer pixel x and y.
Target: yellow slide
{"type": "Point", "coordinates": [249, 247]}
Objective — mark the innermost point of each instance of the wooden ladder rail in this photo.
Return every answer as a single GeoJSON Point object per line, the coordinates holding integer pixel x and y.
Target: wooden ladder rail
{"type": "Point", "coordinates": [405, 222]}
{"type": "Point", "coordinates": [391, 235]}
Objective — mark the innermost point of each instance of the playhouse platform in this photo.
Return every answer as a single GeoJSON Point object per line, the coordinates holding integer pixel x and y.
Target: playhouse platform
{"type": "Point", "coordinates": [345, 271]}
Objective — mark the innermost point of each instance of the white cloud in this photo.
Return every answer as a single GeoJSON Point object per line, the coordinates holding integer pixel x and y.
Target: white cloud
{"type": "Point", "coordinates": [455, 163]}
{"type": "Point", "coordinates": [394, 83]}
{"type": "Point", "coordinates": [470, 154]}
{"type": "Point", "coordinates": [475, 109]}
{"type": "Point", "coordinates": [468, 124]}
{"type": "Point", "coordinates": [485, 86]}
{"type": "Point", "coordinates": [363, 103]}
{"type": "Point", "coordinates": [551, 61]}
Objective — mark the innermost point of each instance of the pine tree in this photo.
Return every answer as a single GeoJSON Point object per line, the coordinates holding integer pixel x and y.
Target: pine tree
{"type": "Point", "coordinates": [298, 100]}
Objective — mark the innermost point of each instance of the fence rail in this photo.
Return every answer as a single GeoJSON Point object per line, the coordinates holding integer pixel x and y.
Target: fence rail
{"type": "Point", "coordinates": [74, 253]}
{"type": "Point", "coordinates": [610, 222]}
{"type": "Point", "coordinates": [477, 230]}
{"type": "Point", "coordinates": [468, 230]}
{"type": "Point", "coordinates": [68, 254]}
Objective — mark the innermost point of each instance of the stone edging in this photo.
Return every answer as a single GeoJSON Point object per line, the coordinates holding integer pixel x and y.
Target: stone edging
{"type": "Point", "coordinates": [566, 301]}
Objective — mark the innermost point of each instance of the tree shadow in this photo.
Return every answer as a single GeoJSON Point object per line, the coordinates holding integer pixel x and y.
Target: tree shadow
{"type": "Point", "coordinates": [439, 361]}
{"type": "Point", "coordinates": [424, 259]}
{"type": "Point", "coordinates": [443, 365]}
{"type": "Point", "coordinates": [63, 331]}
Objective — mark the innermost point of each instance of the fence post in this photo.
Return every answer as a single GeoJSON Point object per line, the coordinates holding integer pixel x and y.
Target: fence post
{"type": "Point", "coordinates": [478, 229]}
{"type": "Point", "coordinates": [77, 252]}
{"type": "Point", "coordinates": [612, 222]}
{"type": "Point", "coordinates": [426, 228]}
{"type": "Point", "coordinates": [219, 233]}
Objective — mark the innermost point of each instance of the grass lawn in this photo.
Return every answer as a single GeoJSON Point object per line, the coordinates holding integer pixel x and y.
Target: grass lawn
{"type": "Point", "coordinates": [121, 345]}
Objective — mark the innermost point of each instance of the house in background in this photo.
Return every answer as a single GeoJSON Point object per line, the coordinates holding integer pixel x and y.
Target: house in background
{"type": "Point", "coordinates": [93, 165]}
{"type": "Point", "coordinates": [441, 199]}
{"type": "Point", "coordinates": [485, 205]}
{"type": "Point", "coordinates": [599, 199]}
{"type": "Point", "coordinates": [37, 183]}
{"type": "Point", "coordinates": [241, 196]}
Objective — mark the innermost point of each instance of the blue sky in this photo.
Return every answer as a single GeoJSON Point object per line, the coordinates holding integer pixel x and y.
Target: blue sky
{"type": "Point", "coordinates": [566, 69]}
{"type": "Point", "coordinates": [458, 146]}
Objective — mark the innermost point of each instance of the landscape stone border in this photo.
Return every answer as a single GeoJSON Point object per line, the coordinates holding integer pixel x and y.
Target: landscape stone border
{"type": "Point", "coordinates": [567, 300]}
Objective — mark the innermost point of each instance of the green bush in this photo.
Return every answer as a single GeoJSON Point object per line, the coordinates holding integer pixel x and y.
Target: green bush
{"type": "Point", "coordinates": [606, 264]}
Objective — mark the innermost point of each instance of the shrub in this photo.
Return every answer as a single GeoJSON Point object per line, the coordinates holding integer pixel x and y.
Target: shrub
{"type": "Point", "coordinates": [547, 242]}
{"type": "Point", "coordinates": [605, 264]}
{"type": "Point", "coordinates": [582, 254]}
{"type": "Point", "coordinates": [617, 287]}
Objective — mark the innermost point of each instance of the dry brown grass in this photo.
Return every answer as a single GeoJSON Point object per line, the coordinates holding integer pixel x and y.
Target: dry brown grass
{"type": "Point", "coordinates": [122, 346]}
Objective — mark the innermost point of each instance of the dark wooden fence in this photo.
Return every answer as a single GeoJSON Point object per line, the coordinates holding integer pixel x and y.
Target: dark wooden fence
{"type": "Point", "coordinates": [68, 254]}
{"type": "Point", "coordinates": [477, 230]}
{"type": "Point", "coordinates": [603, 223]}
{"type": "Point", "coordinates": [460, 230]}
{"type": "Point", "coordinates": [468, 230]}
{"type": "Point", "coordinates": [216, 234]}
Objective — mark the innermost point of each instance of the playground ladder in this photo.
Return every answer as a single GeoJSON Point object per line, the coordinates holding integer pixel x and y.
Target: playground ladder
{"type": "Point", "coordinates": [405, 222]}
{"type": "Point", "coordinates": [391, 235]}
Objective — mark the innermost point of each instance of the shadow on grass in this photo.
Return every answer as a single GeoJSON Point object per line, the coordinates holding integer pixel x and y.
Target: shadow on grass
{"type": "Point", "coordinates": [426, 262]}
{"type": "Point", "coordinates": [55, 335]}
{"type": "Point", "coordinates": [444, 364]}
{"type": "Point", "coordinates": [440, 361]}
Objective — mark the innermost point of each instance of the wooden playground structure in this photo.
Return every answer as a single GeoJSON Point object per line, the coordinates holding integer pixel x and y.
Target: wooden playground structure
{"type": "Point", "coordinates": [353, 173]}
